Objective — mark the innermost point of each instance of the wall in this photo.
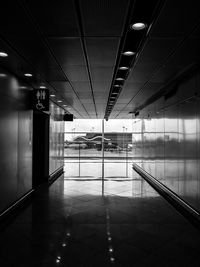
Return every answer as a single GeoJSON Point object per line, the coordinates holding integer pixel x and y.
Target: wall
{"type": "Point", "coordinates": [166, 143]}
{"type": "Point", "coordinates": [56, 138]}
{"type": "Point", "coordinates": [15, 141]}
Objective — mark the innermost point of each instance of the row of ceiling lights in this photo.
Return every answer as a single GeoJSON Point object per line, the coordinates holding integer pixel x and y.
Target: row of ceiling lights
{"type": "Point", "coordinates": [4, 55]}
{"type": "Point", "coordinates": [122, 71]}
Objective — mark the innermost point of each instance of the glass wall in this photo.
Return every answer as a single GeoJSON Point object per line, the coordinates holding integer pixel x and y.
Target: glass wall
{"type": "Point", "coordinates": [56, 138]}
{"type": "Point", "coordinates": [167, 142]}
{"type": "Point", "coordinates": [85, 146]}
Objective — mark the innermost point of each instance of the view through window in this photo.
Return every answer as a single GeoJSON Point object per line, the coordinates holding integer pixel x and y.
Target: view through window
{"type": "Point", "coordinates": [90, 153]}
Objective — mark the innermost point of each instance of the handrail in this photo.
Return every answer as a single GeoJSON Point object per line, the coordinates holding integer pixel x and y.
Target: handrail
{"type": "Point", "coordinates": [181, 205]}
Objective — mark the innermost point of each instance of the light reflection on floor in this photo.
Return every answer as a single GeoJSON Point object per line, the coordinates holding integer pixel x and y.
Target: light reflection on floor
{"type": "Point", "coordinates": [115, 181]}
{"type": "Point", "coordinates": [134, 188]}
{"type": "Point", "coordinates": [181, 176]}
{"type": "Point", "coordinates": [71, 223]}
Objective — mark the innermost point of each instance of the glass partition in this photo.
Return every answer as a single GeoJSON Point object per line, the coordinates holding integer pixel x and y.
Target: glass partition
{"type": "Point", "coordinates": [92, 153]}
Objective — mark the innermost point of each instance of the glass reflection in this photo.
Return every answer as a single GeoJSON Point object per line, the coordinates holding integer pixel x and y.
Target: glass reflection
{"type": "Point", "coordinates": [167, 147]}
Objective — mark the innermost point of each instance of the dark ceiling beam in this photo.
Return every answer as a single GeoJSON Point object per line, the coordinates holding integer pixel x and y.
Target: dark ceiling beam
{"type": "Point", "coordinates": [162, 90]}
{"type": "Point", "coordinates": [120, 48]}
{"type": "Point", "coordinates": [80, 24]}
{"type": "Point", "coordinates": [137, 40]}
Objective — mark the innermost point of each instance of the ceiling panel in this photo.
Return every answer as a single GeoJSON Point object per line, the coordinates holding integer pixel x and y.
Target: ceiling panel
{"type": "Point", "coordinates": [54, 74]}
{"type": "Point", "coordinates": [55, 19]}
{"type": "Point", "coordinates": [87, 101]}
{"type": "Point", "coordinates": [100, 100]}
{"type": "Point", "coordinates": [101, 74]}
{"type": "Point", "coordinates": [154, 56]}
{"type": "Point", "coordinates": [64, 89]}
{"type": "Point", "coordinates": [103, 17]}
{"type": "Point", "coordinates": [177, 19]}
{"type": "Point", "coordinates": [82, 86]}
{"type": "Point", "coordinates": [102, 51]}
{"type": "Point", "coordinates": [101, 87]}
{"type": "Point", "coordinates": [68, 51]}
{"type": "Point", "coordinates": [85, 95]}
{"type": "Point", "coordinates": [76, 73]}
{"type": "Point", "coordinates": [13, 19]}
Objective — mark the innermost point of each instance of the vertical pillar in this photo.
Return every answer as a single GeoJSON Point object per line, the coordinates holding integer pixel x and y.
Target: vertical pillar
{"type": "Point", "coordinates": [79, 160]}
{"type": "Point", "coordinates": [102, 145]}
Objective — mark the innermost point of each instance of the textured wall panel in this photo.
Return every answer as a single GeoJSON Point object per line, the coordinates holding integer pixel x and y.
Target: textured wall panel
{"type": "Point", "coordinates": [168, 143]}
{"type": "Point", "coordinates": [56, 139]}
{"type": "Point", "coordinates": [15, 142]}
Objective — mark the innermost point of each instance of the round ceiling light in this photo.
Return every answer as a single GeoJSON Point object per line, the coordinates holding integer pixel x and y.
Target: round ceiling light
{"type": "Point", "coordinates": [128, 53]}
{"type": "Point", "coordinates": [119, 79]}
{"type": "Point", "coordinates": [42, 87]}
{"type": "Point", "coordinates": [123, 68]}
{"type": "Point", "coordinates": [52, 95]}
{"type": "Point", "coordinates": [28, 75]}
{"type": "Point", "coordinates": [138, 26]}
{"type": "Point", "coordinates": [59, 101]}
{"type": "Point", "coordinates": [3, 54]}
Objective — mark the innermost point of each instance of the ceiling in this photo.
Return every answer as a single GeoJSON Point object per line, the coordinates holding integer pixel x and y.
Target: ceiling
{"type": "Point", "coordinates": [75, 49]}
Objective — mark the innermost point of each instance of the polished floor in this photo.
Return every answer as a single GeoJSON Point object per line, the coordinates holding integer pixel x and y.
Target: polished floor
{"type": "Point", "coordinates": [80, 223]}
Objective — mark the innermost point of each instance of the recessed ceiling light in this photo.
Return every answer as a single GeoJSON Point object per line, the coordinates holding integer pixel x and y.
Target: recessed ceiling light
{"type": "Point", "coordinates": [3, 54]}
{"type": "Point", "coordinates": [42, 87]}
{"type": "Point", "coordinates": [138, 26]}
{"type": "Point", "coordinates": [123, 68]}
{"type": "Point", "coordinates": [117, 85]}
{"type": "Point", "coordinates": [52, 95]}
{"type": "Point", "coordinates": [128, 53]}
{"type": "Point", "coordinates": [64, 105]}
{"type": "Point", "coordinates": [28, 74]}
{"type": "Point", "coordinates": [119, 79]}
{"type": "Point", "coordinates": [59, 101]}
